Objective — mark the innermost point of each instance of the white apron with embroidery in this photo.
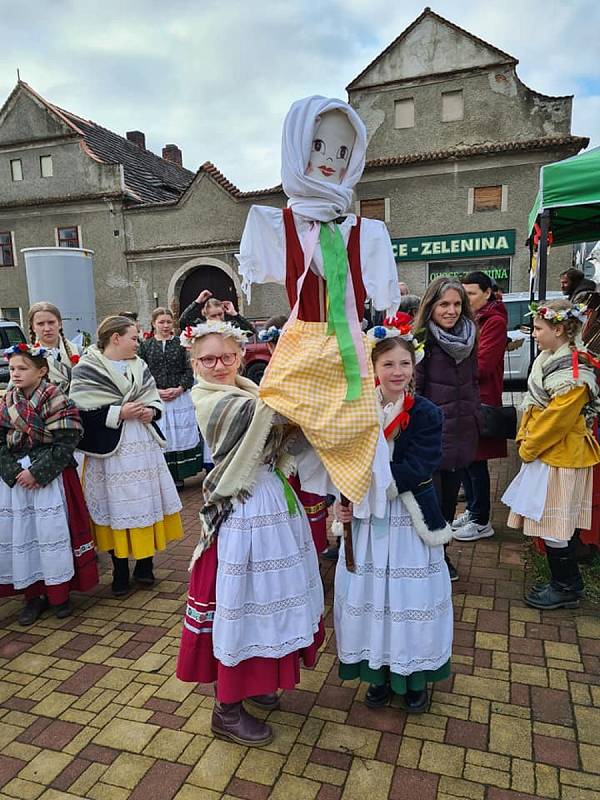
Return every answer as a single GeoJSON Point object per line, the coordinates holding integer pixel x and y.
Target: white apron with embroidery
{"type": "Point", "coordinates": [396, 609]}
{"type": "Point", "coordinates": [35, 543]}
{"type": "Point", "coordinates": [269, 592]}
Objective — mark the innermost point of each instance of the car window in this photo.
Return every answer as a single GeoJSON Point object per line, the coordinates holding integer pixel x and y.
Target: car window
{"type": "Point", "coordinates": [12, 335]}
{"type": "Point", "coordinates": [517, 314]}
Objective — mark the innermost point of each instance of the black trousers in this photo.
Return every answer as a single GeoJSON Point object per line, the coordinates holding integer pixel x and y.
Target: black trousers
{"type": "Point", "coordinates": [476, 480]}
{"type": "Point", "coordinates": [447, 484]}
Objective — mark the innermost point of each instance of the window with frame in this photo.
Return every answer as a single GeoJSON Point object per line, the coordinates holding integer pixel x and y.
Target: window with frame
{"type": "Point", "coordinates": [68, 237]}
{"type": "Point", "coordinates": [453, 108]}
{"type": "Point", "coordinates": [7, 258]}
{"type": "Point", "coordinates": [46, 170]}
{"type": "Point", "coordinates": [16, 169]}
{"type": "Point", "coordinates": [487, 198]}
{"type": "Point", "coordinates": [404, 113]}
{"type": "Point", "coordinates": [11, 315]}
{"type": "Point", "coordinates": [373, 209]}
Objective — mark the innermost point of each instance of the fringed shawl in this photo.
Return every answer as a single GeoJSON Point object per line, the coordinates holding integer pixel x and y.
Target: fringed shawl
{"type": "Point", "coordinates": [96, 383]}
{"type": "Point", "coordinates": [59, 372]}
{"type": "Point", "coordinates": [238, 428]}
{"type": "Point", "coordinates": [33, 420]}
{"type": "Point", "coordinates": [553, 374]}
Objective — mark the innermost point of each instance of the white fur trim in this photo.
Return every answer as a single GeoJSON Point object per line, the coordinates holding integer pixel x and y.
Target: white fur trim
{"type": "Point", "coordinates": [431, 538]}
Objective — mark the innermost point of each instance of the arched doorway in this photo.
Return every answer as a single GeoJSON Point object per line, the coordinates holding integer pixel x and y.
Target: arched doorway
{"type": "Point", "coordinates": [207, 277]}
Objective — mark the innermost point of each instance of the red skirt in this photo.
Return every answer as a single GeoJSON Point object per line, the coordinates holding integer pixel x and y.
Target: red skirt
{"type": "Point", "coordinates": [315, 506]}
{"type": "Point", "coordinates": [84, 555]}
{"type": "Point", "coordinates": [196, 662]}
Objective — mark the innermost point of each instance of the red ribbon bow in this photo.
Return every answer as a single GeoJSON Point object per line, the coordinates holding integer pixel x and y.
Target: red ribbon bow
{"type": "Point", "coordinates": [401, 321]}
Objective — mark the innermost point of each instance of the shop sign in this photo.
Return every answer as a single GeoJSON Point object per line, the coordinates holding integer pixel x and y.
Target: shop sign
{"type": "Point", "coordinates": [498, 270]}
{"type": "Point", "coordinates": [455, 245]}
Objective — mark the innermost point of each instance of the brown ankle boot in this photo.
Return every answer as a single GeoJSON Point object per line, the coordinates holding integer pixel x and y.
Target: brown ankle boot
{"type": "Point", "coordinates": [232, 721]}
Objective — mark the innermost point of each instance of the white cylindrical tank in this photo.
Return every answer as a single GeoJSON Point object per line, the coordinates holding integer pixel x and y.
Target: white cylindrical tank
{"type": "Point", "coordinates": [64, 276]}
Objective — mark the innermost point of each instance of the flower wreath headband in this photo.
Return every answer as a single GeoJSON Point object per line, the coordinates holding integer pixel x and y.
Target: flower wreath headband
{"type": "Point", "coordinates": [271, 334]}
{"type": "Point", "coordinates": [554, 316]}
{"type": "Point", "coordinates": [35, 351]}
{"type": "Point", "coordinates": [226, 329]}
{"type": "Point", "coordinates": [398, 326]}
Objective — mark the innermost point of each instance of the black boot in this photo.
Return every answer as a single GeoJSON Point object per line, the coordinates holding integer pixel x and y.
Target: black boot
{"type": "Point", "coordinates": [120, 584]}
{"type": "Point", "coordinates": [143, 573]}
{"type": "Point", "coordinates": [416, 702]}
{"type": "Point", "coordinates": [378, 696]}
{"type": "Point", "coordinates": [566, 585]}
{"type": "Point", "coordinates": [32, 610]}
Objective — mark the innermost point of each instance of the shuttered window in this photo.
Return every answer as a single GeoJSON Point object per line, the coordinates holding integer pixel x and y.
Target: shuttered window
{"type": "Point", "coordinates": [373, 209]}
{"type": "Point", "coordinates": [487, 198]}
{"type": "Point", "coordinates": [7, 258]}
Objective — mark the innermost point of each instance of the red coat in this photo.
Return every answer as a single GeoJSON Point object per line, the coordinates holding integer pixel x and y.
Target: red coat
{"type": "Point", "coordinates": [492, 321]}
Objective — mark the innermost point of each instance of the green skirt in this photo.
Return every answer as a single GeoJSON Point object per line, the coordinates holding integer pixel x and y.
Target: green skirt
{"type": "Point", "coordinates": [415, 682]}
{"type": "Point", "coordinates": [185, 463]}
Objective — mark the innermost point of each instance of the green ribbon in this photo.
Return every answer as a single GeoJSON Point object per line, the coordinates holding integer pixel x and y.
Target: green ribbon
{"type": "Point", "coordinates": [337, 269]}
{"type": "Point", "coordinates": [290, 495]}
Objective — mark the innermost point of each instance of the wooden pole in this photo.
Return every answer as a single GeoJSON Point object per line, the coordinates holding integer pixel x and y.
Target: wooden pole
{"type": "Point", "coordinates": [348, 548]}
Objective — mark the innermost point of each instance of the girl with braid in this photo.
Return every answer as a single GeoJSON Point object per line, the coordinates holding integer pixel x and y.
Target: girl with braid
{"type": "Point", "coordinates": [45, 329]}
{"type": "Point", "coordinates": [552, 494]}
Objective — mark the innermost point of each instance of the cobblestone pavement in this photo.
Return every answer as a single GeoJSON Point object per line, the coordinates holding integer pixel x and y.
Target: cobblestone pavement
{"type": "Point", "coordinates": [90, 707]}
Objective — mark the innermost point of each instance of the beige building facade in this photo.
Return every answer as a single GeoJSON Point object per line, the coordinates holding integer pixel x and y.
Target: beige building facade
{"type": "Point", "coordinates": [455, 144]}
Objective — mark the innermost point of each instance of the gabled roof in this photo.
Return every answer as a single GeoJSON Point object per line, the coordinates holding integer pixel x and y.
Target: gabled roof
{"type": "Point", "coordinates": [148, 177]}
{"type": "Point", "coordinates": [215, 174]}
{"type": "Point", "coordinates": [572, 143]}
{"type": "Point", "coordinates": [427, 12]}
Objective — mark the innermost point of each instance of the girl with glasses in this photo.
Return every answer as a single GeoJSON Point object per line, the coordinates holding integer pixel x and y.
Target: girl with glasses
{"type": "Point", "coordinates": [255, 599]}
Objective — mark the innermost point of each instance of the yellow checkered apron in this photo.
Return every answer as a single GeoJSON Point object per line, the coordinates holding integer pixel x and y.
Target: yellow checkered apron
{"type": "Point", "coordinates": [305, 382]}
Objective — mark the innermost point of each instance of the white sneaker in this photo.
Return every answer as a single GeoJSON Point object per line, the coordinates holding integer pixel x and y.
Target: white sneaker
{"type": "Point", "coordinates": [472, 531]}
{"type": "Point", "coordinates": [461, 520]}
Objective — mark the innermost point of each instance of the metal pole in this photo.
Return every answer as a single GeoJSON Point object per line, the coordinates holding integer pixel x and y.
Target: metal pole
{"type": "Point", "coordinates": [543, 254]}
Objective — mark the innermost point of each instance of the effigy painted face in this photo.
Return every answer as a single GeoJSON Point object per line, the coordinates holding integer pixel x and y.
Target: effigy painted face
{"type": "Point", "coordinates": [332, 145]}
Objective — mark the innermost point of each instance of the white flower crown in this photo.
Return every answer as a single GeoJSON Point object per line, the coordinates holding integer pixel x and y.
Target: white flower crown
{"type": "Point", "coordinates": [192, 332]}
{"type": "Point", "coordinates": [577, 311]}
{"type": "Point", "coordinates": [397, 327]}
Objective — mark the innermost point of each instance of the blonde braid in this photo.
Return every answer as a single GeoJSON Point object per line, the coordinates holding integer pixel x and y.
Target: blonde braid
{"type": "Point", "coordinates": [65, 342]}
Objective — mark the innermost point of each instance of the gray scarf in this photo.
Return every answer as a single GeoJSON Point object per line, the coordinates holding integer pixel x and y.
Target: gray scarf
{"type": "Point", "coordinates": [457, 342]}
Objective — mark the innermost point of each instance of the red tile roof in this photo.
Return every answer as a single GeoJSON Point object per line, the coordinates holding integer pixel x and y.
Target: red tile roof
{"type": "Point", "coordinates": [575, 143]}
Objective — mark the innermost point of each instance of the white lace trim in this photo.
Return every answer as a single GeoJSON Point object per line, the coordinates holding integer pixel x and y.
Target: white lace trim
{"type": "Point", "coordinates": [31, 511]}
{"type": "Point", "coordinates": [269, 565]}
{"type": "Point", "coordinates": [247, 523]}
{"type": "Point", "coordinates": [406, 615]}
{"type": "Point", "coordinates": [266, 609]}
{"type": "Point", "coordinates": [263, 650]}
{"type": "Point", "coordinates": [400, 572]}
{"type": "Point", "coordinates": [399, 666]}
{"type": "Point", "coordinates": [401, 521]}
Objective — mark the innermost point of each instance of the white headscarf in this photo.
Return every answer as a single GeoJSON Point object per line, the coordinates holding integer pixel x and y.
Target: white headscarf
{"type": "Point", "coordinates": [308, 196]}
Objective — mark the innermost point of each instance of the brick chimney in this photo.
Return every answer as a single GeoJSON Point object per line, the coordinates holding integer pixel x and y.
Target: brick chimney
{"type": "Point", "coordinates": [173, 154]}
{"type": "Point", "coordinates": [137, 137]}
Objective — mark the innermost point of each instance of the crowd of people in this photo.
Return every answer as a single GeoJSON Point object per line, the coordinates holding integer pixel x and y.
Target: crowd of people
{"type": "Point", "coordinates": [95, 445]}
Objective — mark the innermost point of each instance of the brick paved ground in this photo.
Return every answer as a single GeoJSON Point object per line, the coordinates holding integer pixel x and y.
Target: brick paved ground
{"type": "Point", "coordinates": [90, 707]}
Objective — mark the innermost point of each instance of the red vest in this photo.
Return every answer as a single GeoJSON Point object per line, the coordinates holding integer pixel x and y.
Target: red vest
{"type": "Point", "coordinates": [310, 308]}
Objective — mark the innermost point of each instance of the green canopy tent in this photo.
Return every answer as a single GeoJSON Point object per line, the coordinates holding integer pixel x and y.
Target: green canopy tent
{"type": "Point", "coordinates": [567, 206]}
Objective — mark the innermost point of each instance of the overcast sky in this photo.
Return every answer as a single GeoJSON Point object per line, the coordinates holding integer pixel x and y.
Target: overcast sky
{"type": "Point", "coordinates": [216, 77]}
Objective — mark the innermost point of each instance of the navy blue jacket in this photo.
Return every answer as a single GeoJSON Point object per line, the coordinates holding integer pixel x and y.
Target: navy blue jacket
{"type": "Point", "coordinates": [417, 455]}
